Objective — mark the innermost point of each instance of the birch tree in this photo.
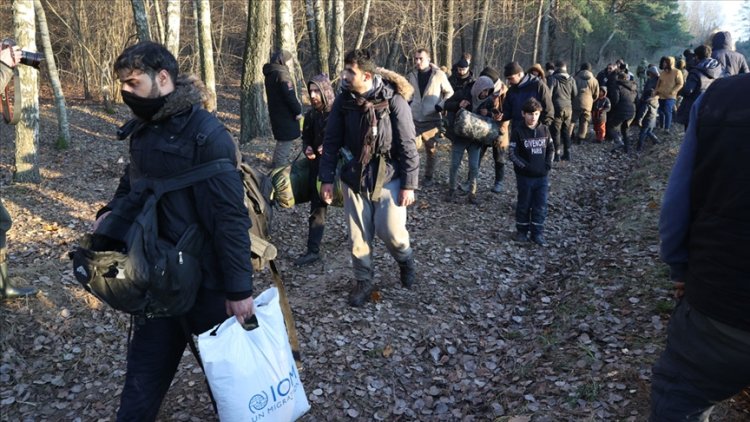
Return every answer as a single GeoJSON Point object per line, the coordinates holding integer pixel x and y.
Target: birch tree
{"type": "Point", "coordinates": [141, 20]}
{"type": "Point", "coordinates": [480, 31]}
{"type": "Point", "coordinates": [336, 57]}
{"type": "Point", "coordinates": [286, 40]}
{"type": "Point", "coordinates": [363, 26]}
{"type": "Point", "coordinates": [322, 37]}
{"type": "Point", "coordinates": [207, 51]}
{"type": "Point", "coordinates": [173, 27]}
{"type": "Point", "coordinates": [27, 129]}
{"type": "Point", "coordinates": [63, 137]}
{"type": "Point", "coordinates": [449, 12]}
{"type": "Point", "coordinates": [254, 121]}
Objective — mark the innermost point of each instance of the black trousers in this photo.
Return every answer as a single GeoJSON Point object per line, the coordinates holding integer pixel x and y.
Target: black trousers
{"type": "Point", "coordinates": [155, 351]}
{"type": "Point", "coordinates": [705, 362]}
{"type": "Point", "coordinates": [498, 158]}
{"type": "Point", "coordinates": [318, 210]}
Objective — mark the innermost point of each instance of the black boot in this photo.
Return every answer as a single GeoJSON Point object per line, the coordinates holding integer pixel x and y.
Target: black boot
{"type": "Point", "coordinates": [7, 291]}
{"type": "Point", "coordinates": [307, 259]}
{"type": "Point", "coordinates": [360, 293]}
{"type": "Point", "coordinates": [408, 272]}
{"type": "Point", "coordinates": [537, 235]}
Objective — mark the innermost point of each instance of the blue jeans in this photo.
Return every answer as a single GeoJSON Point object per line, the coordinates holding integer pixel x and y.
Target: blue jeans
{"type": "Point", "coordinates": [666, 107]}
{"type": "Point", "coordinates": [531, 207]}
{"type": "Point", "coordinates": [705, 362]}
{"type": "Point", "coordinates": [457, 154]}
{"type": "Point", "coordinates": [646, 132]}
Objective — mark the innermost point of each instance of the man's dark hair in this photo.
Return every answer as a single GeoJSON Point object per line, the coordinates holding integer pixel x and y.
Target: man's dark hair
{"type": "Point", "coordinates": [703, 52]}
{"type": "Point", "coordinates": [422, 50]}
{"type": "Point", "coordinates": [586, 66]}
{"type": "Point", "coordinates": [549, 66]}
{"type": "Point", "coordinates": [531, 105]}
{"type": "Point", "coordinates": [560, 64]}
{"type": "Point", "coordinates": [148, 57]}
{"type": "Point", "coordinates": [362, 58]}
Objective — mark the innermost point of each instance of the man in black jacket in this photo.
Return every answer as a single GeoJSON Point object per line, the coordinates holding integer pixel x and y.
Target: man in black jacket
{"type": "Point", "coordinates": [732, 61]}
{"type": "Point", "coordinates": [705, 229]}
{"type": "Point", "coordinates": [313, 132]}
{"type": "Point", "coordinates": [284, 108]}
{"type": "Point", "coordinates": [563, 88]}
{"type": "Point", "coordinates": [371, 122]}
{"type": "Point", "coordinates": [164, 104]}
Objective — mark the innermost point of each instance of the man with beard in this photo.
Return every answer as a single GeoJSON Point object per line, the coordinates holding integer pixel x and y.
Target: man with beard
{"type": "Point", "coordinates": [172, 133]}
{"type": "Point", "coordinates": [313, 131]}
{"type": "Point", "coordinates": [371, 121]}
{"type": "Point", "coordinates": [521, 87]}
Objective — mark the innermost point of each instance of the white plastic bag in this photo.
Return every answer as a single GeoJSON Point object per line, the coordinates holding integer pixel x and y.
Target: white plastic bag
{"type": "Point", "coordinates": [252, 374]}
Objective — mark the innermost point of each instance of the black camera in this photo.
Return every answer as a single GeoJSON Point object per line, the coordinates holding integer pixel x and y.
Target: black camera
{"type": "Point", "coordinates": [28, 58]}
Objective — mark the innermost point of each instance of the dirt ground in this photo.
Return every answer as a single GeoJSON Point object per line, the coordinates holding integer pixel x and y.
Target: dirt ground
{"type": "Point", "coordinates": [492, 330]}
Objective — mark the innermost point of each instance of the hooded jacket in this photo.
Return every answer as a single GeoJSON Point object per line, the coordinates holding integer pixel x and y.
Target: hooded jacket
{"type": "Point", "coordinates": [731, 61]}
{"type": "Point", "coordinates": [313, 129]}
{"type": "Point", "coordinates": [623, 100]}
{"type": "Point", "coordinates": [700, 77]}
{"type": "Point", "coordinates": [588, 90]}
{"type": "Point", "coordinates": [529, 86]}
{"type": "Point", "coordinates": [158, 148]}
{"type": "Point", "coordinates": [563, 89]}
{"type": "Point", "coordinates": [437, 91]}
{"type": "Point", "coordinates": [283, 105]}
{"type": "Point", "coordinates": [395, 134]}
{"type": "Point", "coordinates": [670, 82]}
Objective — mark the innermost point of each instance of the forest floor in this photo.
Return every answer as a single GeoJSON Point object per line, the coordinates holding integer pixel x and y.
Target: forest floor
{"type": "Point", "coordinates": [492, 330]}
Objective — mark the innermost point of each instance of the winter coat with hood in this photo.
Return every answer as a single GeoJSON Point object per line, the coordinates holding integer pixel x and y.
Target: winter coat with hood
{"type": "Point", "coordinates": [159, 148]}
{"type": "Point", "coordinates": [529, 86]}
{"type": "Point", "coordinates": [622, 98]}
{"type": "Point", "coordinates": [452, 105]}
{"type": "Point", "coordinates": [283, 105]}
{"type": "Point", "coordinates": [563, 89]}
{"type": "Point", "coordinates": [313, 129]}
{"type": "Point", "coordinates": [731, 61]}
{"type": "Point", "coordinates": [438, 89]}
{"type": "Point", "coordinates": [347, 124]}
{"type": "Point", "coordinates": [588, 90]}
{"type": "Point", "coordinates": [670, 82]}
{"type": "Point", "coordinates": [699, 79]}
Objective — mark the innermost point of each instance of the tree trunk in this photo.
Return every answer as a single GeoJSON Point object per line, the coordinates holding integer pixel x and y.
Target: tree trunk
{"type": "Point", "coordinates": [141, 20]}
{"type": "Point", "coordinates": [464, 41]}
{"type": "Point", "coordinates": [434, 34]}
{"type": "Point", "coordinates": [322, 37]}
{"type": "Point", "coordinates": [311, 33]}
{"type": "Point", "coordinates": [207, 51]}
{"type": "Point", "coordinates": [27, 129]}
{"type": "Point", "coordinates": [363, 27]}
{"type": "Point", "coordinates": [539, 18]}
{"type": "Point", "coordinates": [173, 27]}
{"type": "Point", "coordinates": [336, 57]}
{"type": "Point", "coordinates": [447, 53]}
{"type": "Point", "coordinates": [254, 121]}
{"type": "Point", "coordinates": [477, 55]}
{"type": "Point", "coordinates": [195, 65]}
{"type": "Point", "coordinates": [161, 34]}
{"type": "Point", "coordinates": [544, 42]}
{"type": "Point", "coordinates": [63, 136]}
{"type": "Point", "coordinates": [286, 40]}
{"type": "Point", "coordinates": [395, 44]}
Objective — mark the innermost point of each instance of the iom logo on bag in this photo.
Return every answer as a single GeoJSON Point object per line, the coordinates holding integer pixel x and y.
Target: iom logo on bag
{"type": "Point", "coordinates": [279, 394]}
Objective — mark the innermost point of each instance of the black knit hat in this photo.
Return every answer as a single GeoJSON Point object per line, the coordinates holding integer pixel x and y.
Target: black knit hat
{"type": "Point", "coordinates": [512, 68]}
{"type": "Point", "coordinates": [491, 73]}
{"type": "Point", "coordinates": [462, 63]}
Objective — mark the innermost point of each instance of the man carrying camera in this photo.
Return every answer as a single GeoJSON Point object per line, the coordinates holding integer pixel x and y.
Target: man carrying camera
{"type": "Point", "coordinates": [9, 57]}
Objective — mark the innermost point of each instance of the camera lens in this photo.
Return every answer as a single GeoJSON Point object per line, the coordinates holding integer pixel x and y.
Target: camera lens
{"type": "Point", "coordinates": [32, 59]}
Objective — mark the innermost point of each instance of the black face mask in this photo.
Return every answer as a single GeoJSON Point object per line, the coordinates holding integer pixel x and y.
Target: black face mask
{"type": "Point", "coordinates": [145, 108]}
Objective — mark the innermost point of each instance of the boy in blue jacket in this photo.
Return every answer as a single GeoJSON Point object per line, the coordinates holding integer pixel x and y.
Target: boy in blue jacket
{"type": "Point", "coordinates": [531, 151]}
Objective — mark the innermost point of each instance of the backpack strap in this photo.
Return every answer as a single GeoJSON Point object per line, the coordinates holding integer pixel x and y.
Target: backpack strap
{"type": "Point", "coordinates": [191, 176]}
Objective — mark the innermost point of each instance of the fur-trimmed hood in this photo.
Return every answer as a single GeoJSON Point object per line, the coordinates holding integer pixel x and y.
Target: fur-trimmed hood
{"type": "Point", "coordinates": [400, 84]}
{"type": "Point", "coordinates": [188, 90]}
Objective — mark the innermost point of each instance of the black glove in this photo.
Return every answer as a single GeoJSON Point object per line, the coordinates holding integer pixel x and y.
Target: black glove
{"type": "Point", "coordinates": [438, 108]}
